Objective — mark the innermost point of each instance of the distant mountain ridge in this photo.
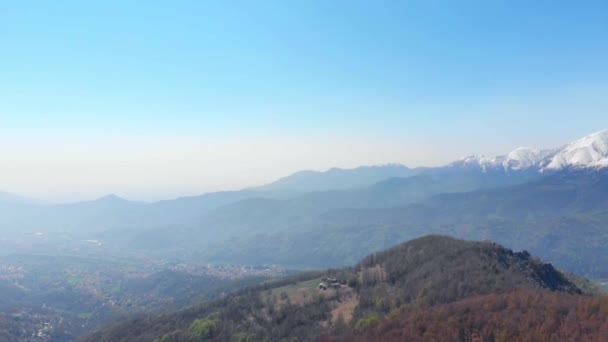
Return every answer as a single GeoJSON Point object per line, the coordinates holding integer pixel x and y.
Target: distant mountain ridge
{"type": "Point", "coordinates": [9, 198]}
{"type": "Point", "coordinates": [561, 217]}
{"type": "Point", "coordinates": [588, 152]}
{"type": "Point", "coordinates": [337, 178]}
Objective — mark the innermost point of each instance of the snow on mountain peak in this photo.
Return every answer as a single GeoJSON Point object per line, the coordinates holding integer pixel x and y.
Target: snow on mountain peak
{"type": "Point", "coordinates": [473, 159]}
{"type": "Point", "coordinates": [518, 159]}
{"type": "Point", "coordinates": [525, 157]}
{"type": "Point", "coordinates": [588, 152]}
{"type": "Point", "coordinates": [476, 161]}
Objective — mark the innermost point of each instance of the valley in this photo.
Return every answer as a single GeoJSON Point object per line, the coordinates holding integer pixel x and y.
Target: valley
{"type": "Point", "coordinates": [58, 296]}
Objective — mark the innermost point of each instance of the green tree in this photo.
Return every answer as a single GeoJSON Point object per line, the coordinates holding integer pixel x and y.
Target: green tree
{"type": "Point", "coordinates": [204, 329]}
{"type": "Point", "coordinates": [367, 322]}
{"type": "Point", "coordinates": [242, 337]}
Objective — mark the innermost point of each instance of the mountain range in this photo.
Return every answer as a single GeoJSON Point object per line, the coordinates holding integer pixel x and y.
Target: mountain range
{"type": "Point", "coordinates": [588, 152]}
{"type": "Point", "coordinates": [551, 202]}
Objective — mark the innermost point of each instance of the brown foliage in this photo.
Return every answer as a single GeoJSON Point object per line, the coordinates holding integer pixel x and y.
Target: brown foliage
{"type": "Point", "coordinates": [526, 315]}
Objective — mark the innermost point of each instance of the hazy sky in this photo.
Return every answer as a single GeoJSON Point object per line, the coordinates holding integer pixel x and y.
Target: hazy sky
{"type": "Point", "coordinates": [156, 99]}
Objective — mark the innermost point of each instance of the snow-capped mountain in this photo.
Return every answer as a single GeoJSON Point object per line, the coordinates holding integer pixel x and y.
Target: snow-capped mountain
{"type": "Point", "coordinates": [522, 158]}
{"type": "Point", "coordinates": [525, 157]}
{"type": "Point", "coordinates": [588, 152]}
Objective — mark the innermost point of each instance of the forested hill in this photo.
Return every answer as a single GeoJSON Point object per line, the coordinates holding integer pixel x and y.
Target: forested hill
{"type": "Point", "coordinates": [429, 271]}
{"type": "Point", "coordinates": [439, 269]}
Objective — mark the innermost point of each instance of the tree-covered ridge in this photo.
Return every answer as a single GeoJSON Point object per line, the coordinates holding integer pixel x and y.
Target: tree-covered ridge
{"type": "Point", "coordinates": [444, 260]}
{"type": "Point", "coordinates": [437, 269]}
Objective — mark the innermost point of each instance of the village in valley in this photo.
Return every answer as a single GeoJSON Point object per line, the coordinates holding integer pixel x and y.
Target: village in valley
{"type": "Point", "coordinates": [60, 296]}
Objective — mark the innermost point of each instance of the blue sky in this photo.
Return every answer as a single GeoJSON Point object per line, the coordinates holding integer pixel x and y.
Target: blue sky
{"type": "Point", "coordinates": [264, 88]}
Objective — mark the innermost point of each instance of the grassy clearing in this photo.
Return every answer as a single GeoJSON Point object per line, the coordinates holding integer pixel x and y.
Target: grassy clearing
{"type": "Point", "coordinates": [297, 293]}
{"type": "Point", "coordinates": [346, 306]}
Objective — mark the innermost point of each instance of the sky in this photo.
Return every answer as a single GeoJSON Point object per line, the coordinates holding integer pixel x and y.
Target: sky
{"type": "Point", "coordinates": [159, 99]}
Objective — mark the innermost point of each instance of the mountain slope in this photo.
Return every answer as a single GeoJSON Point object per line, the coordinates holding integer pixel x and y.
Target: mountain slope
{"type": "Point", "coordinates": [295, 309]}
{"type": "Point", "coordinates": [256, 218]}
{"type": "Point", "coordinates": [522, 158]}
{"type": "Point", "coordinates": [8, 198]}
{"type": "Point", "coordinates": [111, 213]}
{"type": "Point", "coordinates": [588, 152]}
{"type": "Point", "coordinates": [515, 316]}
{"type": "Point", "coordinates": [337, 179]}
{"type": "Point", "coordinates": [562, 218]}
